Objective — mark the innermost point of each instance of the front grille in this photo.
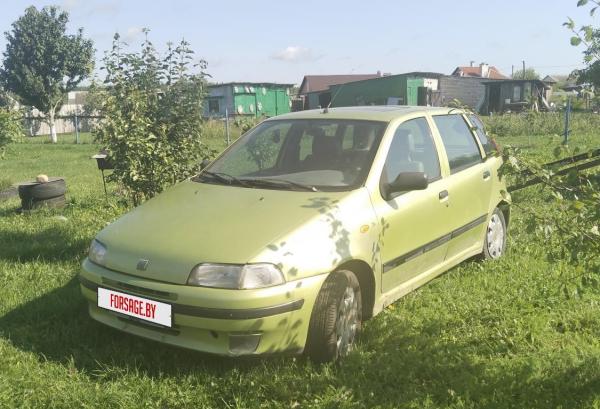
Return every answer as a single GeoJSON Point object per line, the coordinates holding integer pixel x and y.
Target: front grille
{"type": "Point", "coordinates": [139, 290]}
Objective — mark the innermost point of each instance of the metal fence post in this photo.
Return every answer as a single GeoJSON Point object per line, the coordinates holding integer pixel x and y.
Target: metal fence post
{"type": "Point", "coordinates": [76, 128]}
{"type": "Point", "coordinates": [567, 120]}
{"type": "Point", "coordinates": [227, 126]}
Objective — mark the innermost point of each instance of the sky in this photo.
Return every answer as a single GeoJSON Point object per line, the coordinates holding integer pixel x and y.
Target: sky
{"type": "Point", "coordinates": [282, 40]}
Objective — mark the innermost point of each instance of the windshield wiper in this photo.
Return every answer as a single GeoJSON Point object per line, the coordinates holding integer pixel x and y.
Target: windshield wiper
{"type": "Point", "coordinates": [222, 177]}
{"type": "Point", "coordinates": [279, 183]}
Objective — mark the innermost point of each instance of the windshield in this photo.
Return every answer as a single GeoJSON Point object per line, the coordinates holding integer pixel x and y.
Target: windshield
{"type": "Point", "coordinates": [302, 154]}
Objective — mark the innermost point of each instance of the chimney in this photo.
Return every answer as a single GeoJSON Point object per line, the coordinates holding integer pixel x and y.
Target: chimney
{"type": "Point", "coordinates": [485, 70]}
{"type": "Point", "coordinates": [379, 73]}
{"type": "Point", "coordinates": [472, 63]}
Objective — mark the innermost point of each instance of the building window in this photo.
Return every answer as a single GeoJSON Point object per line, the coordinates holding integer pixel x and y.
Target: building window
{"type": "Point", "coordinates": [213, 106]}
{"type": "Point", "coordinates": [517, 93]}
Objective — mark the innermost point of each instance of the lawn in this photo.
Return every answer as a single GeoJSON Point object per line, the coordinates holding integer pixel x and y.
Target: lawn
{"type": "Point", "coordinates": [502, 334]}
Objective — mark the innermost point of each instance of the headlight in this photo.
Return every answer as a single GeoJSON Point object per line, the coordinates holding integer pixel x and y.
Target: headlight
{"type": "Point", "coordinates": [97, 252]}
{"type": "Point", "coordinates": [234, 276]}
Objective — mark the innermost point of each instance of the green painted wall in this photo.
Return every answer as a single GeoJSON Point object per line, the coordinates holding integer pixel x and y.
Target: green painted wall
{"type": "Point", "coordinates": [260, 100]}
{"type": "Point", "coordinates": [376, 91]}
{"type": "Point", "coordinates": [248, 99]}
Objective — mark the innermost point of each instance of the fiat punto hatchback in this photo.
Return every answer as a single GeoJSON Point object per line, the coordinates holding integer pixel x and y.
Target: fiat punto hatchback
{"type": "Point", "coordinates": [309, 224]}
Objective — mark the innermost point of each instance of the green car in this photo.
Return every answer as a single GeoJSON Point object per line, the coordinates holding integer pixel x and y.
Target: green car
{"type": "Point", "coordinates": [309, 224]}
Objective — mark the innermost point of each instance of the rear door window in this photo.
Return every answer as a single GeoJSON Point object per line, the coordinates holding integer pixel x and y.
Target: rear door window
{"type": "Point", "coordinates": [459, 142]}
{"type": "Point", "coordinates": [488, 146]}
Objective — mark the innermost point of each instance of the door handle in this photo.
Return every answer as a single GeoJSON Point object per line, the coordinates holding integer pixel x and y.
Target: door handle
{"type": "Point", "coordinates": [443, 194]}
{"type": "Point", "coordinates": [486, 175]}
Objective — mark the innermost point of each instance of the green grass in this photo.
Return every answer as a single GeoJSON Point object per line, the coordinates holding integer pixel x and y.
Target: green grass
{"type": "Point", "coordinates": [501, 334]}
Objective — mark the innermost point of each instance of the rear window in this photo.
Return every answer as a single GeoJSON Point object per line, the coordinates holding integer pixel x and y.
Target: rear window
{"type": "Point", "coordinates": [488, 146]}
{"type": "Point", "coordinates": [459, 142]}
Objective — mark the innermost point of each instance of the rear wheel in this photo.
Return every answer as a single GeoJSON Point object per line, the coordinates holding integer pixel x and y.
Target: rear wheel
{"type": "Point", "coordinates": [336, 318]}
{"type": "Point", "coordinates": [495, 236]}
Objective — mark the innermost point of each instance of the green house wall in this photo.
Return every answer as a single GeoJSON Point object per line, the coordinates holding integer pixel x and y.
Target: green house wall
{"type": "Point", "coordinates": [248, 99]}
{"type": "Point", "coordinates": [260, 100]}
{"type": "Point", "coordinates": [377, 91]}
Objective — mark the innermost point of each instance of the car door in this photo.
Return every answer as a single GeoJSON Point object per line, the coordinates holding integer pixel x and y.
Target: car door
{"type": "Point", "coordinates": [412, 240]}
{"type": "Point", "coordinates": [469, 184]}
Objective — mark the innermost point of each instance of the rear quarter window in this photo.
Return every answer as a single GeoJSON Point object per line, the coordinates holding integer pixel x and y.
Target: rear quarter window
{"type": "Point", "coordinates": [488, 146]}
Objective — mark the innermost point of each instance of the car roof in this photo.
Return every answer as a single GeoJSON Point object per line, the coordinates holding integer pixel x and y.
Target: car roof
{"type": "Point", "coordinates": [372, 113]}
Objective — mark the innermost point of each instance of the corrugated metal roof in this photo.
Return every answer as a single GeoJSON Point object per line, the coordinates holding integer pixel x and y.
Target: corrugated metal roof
{"type": "Point", "coordinates": [253, 84]}
{"type": "Point", "coordinates": [314, 83]}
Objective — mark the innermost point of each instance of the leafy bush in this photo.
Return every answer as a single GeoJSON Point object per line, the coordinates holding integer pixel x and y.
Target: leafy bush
{"type": "Point", "coordinates": [152, 109]}
{"type": "Point", "coordinates": [569, 224]}
{"type": "Point", "coordinates": [10, 128]}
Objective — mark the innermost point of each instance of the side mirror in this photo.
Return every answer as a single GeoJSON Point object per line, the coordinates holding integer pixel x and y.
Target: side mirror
{"type": "Point", "coordinates": [405, 182]}
{"type": "Point", "coordinates": [204, 163]}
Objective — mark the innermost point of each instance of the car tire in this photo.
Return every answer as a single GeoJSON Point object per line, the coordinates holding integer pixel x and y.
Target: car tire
{"type": "Point", "coordinates": [42, 191]}
{"type": "Point", "coordinates": [53, 202]}
{"type": "Point", "coordinates": [494, 242]}
{"type": "Point", "coordinates": [336, 318]}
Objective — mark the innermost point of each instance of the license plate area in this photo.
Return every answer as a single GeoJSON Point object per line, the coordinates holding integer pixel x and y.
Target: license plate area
{"type": "Point", "coordinates": [141, 308]}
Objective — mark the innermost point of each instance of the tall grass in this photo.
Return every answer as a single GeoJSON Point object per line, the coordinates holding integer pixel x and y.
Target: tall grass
{"type": "Point", "coordinates": [540, 123]}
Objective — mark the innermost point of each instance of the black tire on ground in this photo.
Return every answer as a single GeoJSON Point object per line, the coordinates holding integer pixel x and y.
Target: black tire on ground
{"type": "Point", "coordinates": [54, 202]}
{"type": "Point", "coordinates": [322, 341]}
{"type": "Point", "coordinates": [495, 230]}
{"type": "Point", "coordinates": [47, 190]}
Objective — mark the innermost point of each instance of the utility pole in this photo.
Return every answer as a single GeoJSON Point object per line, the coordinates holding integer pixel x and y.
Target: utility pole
{"type": "Point", "coordinates": [523, 68]}
{"type": "Point", "coordinates": [512, 71]}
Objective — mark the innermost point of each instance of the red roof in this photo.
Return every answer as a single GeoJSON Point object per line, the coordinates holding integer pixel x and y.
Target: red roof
{"type": "Point", "coordinates": [493, 72]}
{"type": "Point", "coordinates": [314, 83]}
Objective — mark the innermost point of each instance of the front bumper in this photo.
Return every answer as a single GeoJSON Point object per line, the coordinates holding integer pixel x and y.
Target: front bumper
{"type": "Point", "coordinates": [225, 322]}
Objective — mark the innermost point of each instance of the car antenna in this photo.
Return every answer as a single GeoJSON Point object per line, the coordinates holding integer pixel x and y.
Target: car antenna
{"type": "Point", "coordinates": [326, 109]}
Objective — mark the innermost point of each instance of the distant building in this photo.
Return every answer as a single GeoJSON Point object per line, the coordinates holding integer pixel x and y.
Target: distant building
{"type": "Point", "coordinates": [550, 80]}
{"type": "Point", "coordinates": [414, 88]}
{"type": "Point", "coordinates": [484, 70]}
{"type": "Point", "coordinates": [247, 99]}
{"type": "Point", "coordinates": [315, 89]}
{"type": "Point", "coordinates": [516, 95]}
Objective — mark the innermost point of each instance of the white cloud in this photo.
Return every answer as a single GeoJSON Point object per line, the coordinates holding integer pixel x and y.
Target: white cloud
{"type": "Point", "coordinates": [132, 34]}
{"type": "Point", "coordinates": [296, 54]}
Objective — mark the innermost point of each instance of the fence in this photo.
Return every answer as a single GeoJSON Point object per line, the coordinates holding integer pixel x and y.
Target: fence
{"type": "Point", "coordinates": [37, 125]}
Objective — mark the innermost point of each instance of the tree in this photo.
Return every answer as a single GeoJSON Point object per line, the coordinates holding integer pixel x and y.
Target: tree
{"type": "Point", "coordinates": [528, 74]}
{"type": "Point", "coordinates": [152, 109]}
{"type": "Point", "coordinates": [588, 36]}
{"type": "Point", "coordinates": [42, 63]}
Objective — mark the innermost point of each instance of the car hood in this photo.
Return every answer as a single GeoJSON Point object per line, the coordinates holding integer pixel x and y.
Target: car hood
{"type": "Point", "coordinates": [194, 223]}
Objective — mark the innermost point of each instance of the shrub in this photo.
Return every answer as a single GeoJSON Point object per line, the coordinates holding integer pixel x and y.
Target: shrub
{"type": "Point", "coordinates": [10, 128]}
{"type": "Point", "coordinates": [152, 109]}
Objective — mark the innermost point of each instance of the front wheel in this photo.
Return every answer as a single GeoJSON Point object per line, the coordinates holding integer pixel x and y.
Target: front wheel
{"type": "Point", "coordinates": [495, 236]}
{"type": "Point", "coordinates": [336, 318]}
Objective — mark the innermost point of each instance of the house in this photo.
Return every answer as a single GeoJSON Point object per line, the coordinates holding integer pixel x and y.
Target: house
{"type": "Point", "coordinates": [484, 70]}
{"type": "Point", "coordinates": [469, 91]}
{"type": "Point", "coordinates": [516, 95]}
{"type": "Point", "coordinates": [413, 88]}
{"type": "Point", "coordinates": [247, 99]}
{"type": "Point", "coordinates": [550, 80]}
{"type": "Point", "coordinates": [315, 89]}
